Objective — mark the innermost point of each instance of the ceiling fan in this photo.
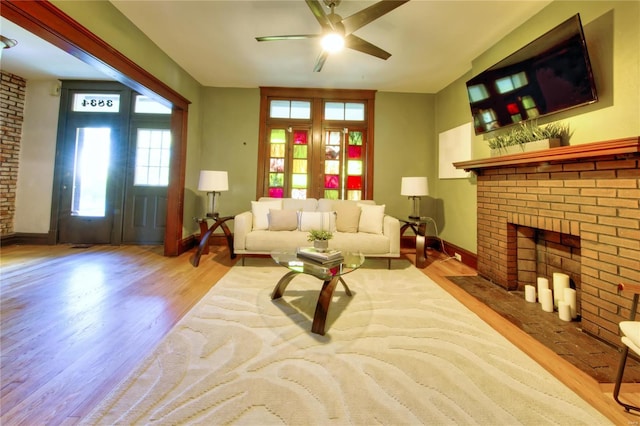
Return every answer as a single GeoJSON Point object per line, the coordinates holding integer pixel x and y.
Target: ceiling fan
{"type": "Point", "coordinates": [340, 30]}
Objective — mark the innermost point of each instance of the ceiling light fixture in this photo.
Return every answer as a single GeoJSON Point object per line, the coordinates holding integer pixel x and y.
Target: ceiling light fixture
{"type": "Point", "coordinates": [332, 42]}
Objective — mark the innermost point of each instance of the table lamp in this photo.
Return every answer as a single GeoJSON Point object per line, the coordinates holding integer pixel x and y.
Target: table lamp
{"type": "Point", "coordinates": [414, 188]}
{"type": "Point", "coordinates": [213, 182]}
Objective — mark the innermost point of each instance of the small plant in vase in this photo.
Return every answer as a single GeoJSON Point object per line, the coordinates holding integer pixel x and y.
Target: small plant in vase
{"type": "Point", "coordinates": [320, 239]}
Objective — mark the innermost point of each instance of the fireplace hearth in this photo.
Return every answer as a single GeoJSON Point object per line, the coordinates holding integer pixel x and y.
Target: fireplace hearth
{"type": "Point", "coordinates": [573, 209]}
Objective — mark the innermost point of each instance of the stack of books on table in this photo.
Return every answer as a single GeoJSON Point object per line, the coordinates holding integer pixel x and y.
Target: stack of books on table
{"type": "Point", "coordinates": [323, 257]}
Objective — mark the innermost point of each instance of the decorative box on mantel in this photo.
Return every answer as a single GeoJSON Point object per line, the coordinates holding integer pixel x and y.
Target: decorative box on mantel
{"type": "Point", "coordinates": [527, 147]}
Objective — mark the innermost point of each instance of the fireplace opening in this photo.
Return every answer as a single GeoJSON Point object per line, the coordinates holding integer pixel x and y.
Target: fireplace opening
{"type": "Point", "coordinates": [540, 253]}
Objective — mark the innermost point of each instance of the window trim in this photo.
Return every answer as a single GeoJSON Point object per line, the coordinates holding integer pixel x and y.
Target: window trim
{"type": "Point", "coordinates": [317, 98]}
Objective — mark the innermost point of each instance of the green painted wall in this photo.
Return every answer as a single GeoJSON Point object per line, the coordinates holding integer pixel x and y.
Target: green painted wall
{"type": "Point", "coordinates": [404, 146]}
{"type": "Point", "coordinates": [612, 30]}
{"type": "Point", "coordinates": [230, 127]}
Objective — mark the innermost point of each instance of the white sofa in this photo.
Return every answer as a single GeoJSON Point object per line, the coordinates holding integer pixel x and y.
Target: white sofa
{"type": "Point", "coordinates": [283, 224]}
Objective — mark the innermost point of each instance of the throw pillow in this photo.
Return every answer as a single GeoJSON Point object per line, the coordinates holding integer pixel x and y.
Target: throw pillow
{"type": "Point", "coordinates": [325, 221]}
{"type": "Point", "coordinates": [347, 217]}
{"type": "Point", "coordinates": [371, 218]}
{"type": "Point", "coordinates": [260, 210]}
{"type": "Point", "coordinates": [283, 220]}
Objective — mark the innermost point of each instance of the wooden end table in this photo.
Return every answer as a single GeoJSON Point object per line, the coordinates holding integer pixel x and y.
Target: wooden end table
{"type": "Point", "coordinates": [205, 233]}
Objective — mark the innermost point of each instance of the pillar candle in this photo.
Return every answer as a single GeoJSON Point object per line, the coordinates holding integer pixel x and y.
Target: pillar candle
{"type": "Point", "coordinates": [546, 300]}
{"type": "Point", "coordinates": [570, 298]}
{"type": "Point", "coordinates": [560, 282]}
{"type": "Point", "coordinates": [564, 310]}
{"type": "Point", "coordinates": [542, 283]}
{"type": "Point", "coordinates": [530, 293]}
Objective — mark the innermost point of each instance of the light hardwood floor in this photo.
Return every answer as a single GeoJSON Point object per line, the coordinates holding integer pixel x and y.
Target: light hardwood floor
{"type": "Point", "coordinates": [75, 322]}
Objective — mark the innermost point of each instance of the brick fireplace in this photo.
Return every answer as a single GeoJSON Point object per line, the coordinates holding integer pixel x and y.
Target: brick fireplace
{"type": "Point", "coordinates": [573, 209]}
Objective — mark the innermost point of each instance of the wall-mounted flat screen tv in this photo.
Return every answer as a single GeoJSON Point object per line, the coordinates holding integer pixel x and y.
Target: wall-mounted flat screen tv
{"type": "Point", "coordinates": [550, 74]}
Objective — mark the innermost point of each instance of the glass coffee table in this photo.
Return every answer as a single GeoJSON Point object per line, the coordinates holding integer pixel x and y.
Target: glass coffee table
{"type": "Point", "coordinates": [330, 274]}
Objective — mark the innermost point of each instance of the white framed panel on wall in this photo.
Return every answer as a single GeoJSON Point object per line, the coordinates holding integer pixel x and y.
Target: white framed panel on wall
{"type": "Point", "coordinates": [454, 145]}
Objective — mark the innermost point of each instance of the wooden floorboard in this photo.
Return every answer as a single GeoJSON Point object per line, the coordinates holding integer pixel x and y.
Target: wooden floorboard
{"type": "Point", "coordinates": [75, 321]}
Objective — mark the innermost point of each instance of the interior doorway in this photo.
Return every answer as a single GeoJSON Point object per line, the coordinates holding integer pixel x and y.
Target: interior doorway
{"type": "Point", "coordinates": [112, 166]}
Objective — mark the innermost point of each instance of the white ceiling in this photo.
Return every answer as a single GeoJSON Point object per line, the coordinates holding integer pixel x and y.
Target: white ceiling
{"type": "Point", "coordinates": [432, 43]}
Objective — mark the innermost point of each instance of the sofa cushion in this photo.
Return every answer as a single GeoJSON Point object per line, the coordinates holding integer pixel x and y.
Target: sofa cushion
{"type": "Point", "coordinates": [317, 220]}
{"type": "Point", "coordinates": [260, 210]}
{"type": "Point", "coordinates": [371, 218]}
{"type": "Point", "coordinates": [347, 216]}
{"type": "Point", "coordinates": [283, 220]}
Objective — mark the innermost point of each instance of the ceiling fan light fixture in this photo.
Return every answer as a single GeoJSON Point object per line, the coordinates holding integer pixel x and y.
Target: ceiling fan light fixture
{"type": "Point", "coordinates": [332, 42]}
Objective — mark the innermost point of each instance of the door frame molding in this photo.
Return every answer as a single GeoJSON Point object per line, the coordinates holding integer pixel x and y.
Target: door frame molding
{"type": "Point", "coordinates": [51, 24]}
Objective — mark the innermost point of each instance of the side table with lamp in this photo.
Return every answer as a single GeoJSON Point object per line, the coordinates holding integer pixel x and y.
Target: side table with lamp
{"type": "Point", "coordinates": [414, 188]}
{"type": "Point", "coordinates": [213, 182]}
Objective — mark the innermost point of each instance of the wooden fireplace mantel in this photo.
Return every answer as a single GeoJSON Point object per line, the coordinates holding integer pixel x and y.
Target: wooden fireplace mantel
{"type": "Point", "coordinates": [562, 153]}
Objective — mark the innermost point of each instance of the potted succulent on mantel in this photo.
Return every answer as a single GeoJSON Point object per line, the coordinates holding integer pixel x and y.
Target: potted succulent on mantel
{"type": "Point", "coordinates": [529, 137]}
{"type": "Point", "coordinates": [320, 239]}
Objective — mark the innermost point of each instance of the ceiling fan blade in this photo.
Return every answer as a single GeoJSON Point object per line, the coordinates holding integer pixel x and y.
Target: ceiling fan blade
{"type": "Point", "coordinates": [322, 58]}
{"type": "Point", "coordinates": [287, 37]}
{"type": "Point", "coordinates": [371, 13]}
{"type": "Point", "coordinates": [318, 12]}
{"type": "Point", "coordinates": [356, 43]}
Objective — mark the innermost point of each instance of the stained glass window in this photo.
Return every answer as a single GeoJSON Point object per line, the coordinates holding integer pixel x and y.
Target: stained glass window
{"type": "Point", "coordinates": [306, 152]}
{"type": "Point", "coordinates": [288, 163]}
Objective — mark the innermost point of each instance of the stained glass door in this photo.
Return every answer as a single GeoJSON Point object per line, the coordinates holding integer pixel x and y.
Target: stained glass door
{"type": "Point", "coordinates": [288, 174]}
{"type": "Point", "coordinates": [344, 165]}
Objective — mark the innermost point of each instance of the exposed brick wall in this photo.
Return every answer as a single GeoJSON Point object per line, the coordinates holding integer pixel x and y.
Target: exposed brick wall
{"type": "Point", "coordinates": [595, 199]}
{"type": "Point", "coordinates": [12, 94]}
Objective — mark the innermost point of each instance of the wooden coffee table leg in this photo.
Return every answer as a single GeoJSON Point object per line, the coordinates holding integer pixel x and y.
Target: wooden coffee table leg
{"type": "Point", "coordinates": [282, 285]}
{"type": "Point", "coordinates": [322, 307]}
{"type": "Point", "coordinates": [346, 287]}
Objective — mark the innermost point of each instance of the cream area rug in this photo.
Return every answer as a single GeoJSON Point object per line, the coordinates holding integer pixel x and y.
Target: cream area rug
{"type": "Point", "coordinates": [401, 351]}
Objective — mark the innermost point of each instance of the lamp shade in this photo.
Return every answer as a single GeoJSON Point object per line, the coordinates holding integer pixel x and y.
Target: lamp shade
{"type": "Point", "coordinates": [213, 181]}
{"type": "Point", "coordinates": [414, 186]}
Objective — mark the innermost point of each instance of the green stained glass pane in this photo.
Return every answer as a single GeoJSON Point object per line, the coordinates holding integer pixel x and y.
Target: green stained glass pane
{"type": "Point", "coordinates": [276, 165]}
{"type": "Point", "coordinates": [354, 195]}
{"type": "Point", "coordinates": [278, 136]}
{"type": "Point", "coordinates": [276, 179]}
{"type": "Point", "coordinates": [355, 138]}
{"type": "Point", "coordinates": [300, 151]}
{"type": "Point", "coordinates": [332, 167]}
{"type": "Point", "coordinates": [277, 150]}
{"type": "Point", "coordinates": [331, 194]}
{"type": "Point", "coordinates": [299, 166]}
{"type": "Point", "coordinates": [334, 138]}
{"type": "Point", "coordinates": [299, 180]}
{"type": "Point", "coordinates": [354, 168]}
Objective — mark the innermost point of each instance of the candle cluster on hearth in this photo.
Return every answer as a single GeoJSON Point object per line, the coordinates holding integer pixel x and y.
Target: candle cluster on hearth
{"type": "Point", "coordinates": [562, 297]}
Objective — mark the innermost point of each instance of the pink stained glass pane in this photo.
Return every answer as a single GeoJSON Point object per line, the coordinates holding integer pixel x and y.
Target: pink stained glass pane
{"type": "Point", "coordinates": [354, 182]}
{"type": "Point", "coordinates": [276, 192]}
{"type": "Point", "coordinates": [300, 137]}
{"type": "Point", "coordinates": [355, 151]}
{"type": "Point", "coordinates": [331, 181]}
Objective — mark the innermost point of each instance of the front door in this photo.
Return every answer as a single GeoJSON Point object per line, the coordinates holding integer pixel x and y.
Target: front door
{"type": "Point", "coordinates": [113, 166]}
{"type": "Point", "coordinates": [92, 147]}
{"type": "Point", "coordinates": [145, 204]}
